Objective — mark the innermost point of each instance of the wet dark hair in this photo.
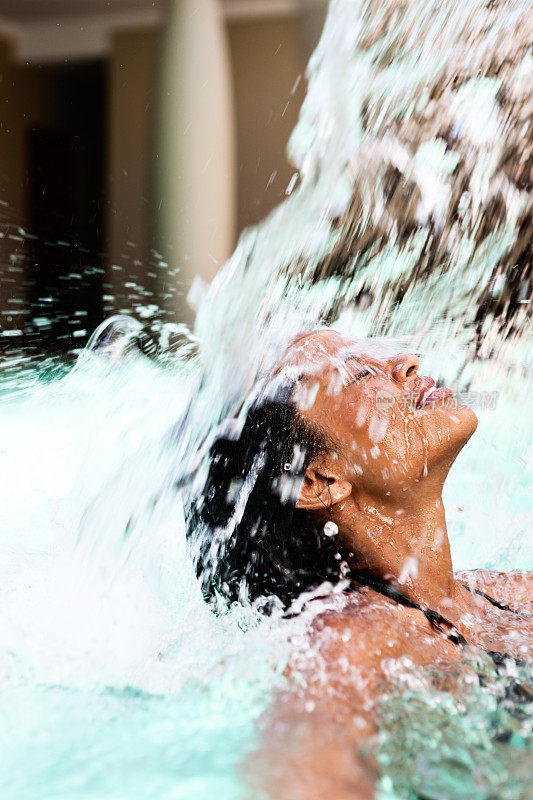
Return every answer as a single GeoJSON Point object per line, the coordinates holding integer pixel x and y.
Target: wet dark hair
{"type": "Point", "coordinates": [252, 542]}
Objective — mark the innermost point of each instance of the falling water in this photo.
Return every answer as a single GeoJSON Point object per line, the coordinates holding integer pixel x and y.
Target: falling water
{"type": "Point", "coordinates": [410, 216]}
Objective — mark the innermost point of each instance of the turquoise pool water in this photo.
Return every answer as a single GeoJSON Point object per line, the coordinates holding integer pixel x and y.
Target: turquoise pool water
{"type": "Point", "coordinates": [116, 681]}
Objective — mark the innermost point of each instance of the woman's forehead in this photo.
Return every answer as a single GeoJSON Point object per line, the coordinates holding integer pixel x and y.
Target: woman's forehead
{"type": "Point", "coordinates": [315, 351]}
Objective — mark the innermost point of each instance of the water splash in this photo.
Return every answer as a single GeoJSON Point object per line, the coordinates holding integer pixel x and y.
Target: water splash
{"type": "Point", "coordinates": [410, 220]}
{"type": "Point", "coordinates": [421, 726]}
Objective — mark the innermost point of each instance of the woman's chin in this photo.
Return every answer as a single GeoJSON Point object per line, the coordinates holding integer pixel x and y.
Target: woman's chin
{"type": "Point", "coordinates": [463, 423]}
{"type": "Point", "coordinates": [464, 418]}
{"type": "Point", "coordinates": [447, 412]}
{"type": "Point", "coordinates": [447, 428]}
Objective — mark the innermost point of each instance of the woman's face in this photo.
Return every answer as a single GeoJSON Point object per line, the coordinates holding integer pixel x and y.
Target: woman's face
{"type": "Point", "coordinates": [390, 427]}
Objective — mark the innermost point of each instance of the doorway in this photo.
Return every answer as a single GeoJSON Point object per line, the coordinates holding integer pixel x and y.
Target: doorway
{"type": "Point", "coordinates": [66, 209]}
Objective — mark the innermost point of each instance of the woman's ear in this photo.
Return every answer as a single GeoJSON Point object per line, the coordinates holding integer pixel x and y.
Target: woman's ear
{"type": "Point", "coordinates": [322, 488]}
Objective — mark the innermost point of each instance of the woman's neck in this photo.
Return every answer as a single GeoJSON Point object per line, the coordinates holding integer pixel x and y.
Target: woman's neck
{"type": "Point", "coordinates": [407, 547]}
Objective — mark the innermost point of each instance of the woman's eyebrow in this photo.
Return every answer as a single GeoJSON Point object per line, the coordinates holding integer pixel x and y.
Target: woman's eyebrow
{"type": "Point", "coordinates": [353, 355]}
{"type": "Point", "coordinates": [349, 355]}
{"type": "Point", "coordinates": [349, 369]}
{"type": "Point", "coordinates": [352, 368]}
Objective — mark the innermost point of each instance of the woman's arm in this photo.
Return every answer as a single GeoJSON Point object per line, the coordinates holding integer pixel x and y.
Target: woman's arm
{"type": "Point", "coordinates": [307, 754]}
{"type": "Point", "coordinates": [316, 741]}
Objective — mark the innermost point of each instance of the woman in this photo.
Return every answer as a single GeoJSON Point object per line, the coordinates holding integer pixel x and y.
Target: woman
{"type": "Point", "coordinates": [337, 475]}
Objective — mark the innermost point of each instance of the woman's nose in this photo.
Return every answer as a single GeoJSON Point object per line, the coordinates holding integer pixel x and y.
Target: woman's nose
{"type": "Point", "coordinates": [404, 366]}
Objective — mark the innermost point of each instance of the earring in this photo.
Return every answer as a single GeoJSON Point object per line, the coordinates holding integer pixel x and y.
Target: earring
{"type": "Point", "coordinates": [331, 529]}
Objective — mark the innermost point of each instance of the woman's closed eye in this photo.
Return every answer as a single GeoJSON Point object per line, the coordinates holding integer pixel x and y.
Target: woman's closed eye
{"type": "Point", "coordinates": [355, 369]}
{"type": "Point", "coordinates": [358, 376]}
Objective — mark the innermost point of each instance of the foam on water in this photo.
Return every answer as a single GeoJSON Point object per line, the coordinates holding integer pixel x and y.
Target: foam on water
{"type": "Point", "coordinates": [116, 680]}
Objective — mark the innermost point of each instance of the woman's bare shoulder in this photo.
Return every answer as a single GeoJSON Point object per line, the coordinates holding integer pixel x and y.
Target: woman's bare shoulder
{"type": "Point", "coordinates": [359, 615]}
{"type": "Point", "coordinates": [367, 632]}
{"type": "Point", "coordinates": [348, 657]}
{"type": "Point", "coordinates": [354, 628]}
{"type": "Point", "coordinates": [514, 589]}
{"type": "Point", "coordinates": [340, 653]}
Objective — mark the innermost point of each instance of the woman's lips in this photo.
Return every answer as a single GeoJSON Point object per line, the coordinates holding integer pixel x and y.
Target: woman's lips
{"type": "Point", "coordinates": [441, 391]}
{"type": "Point", "coordinates": [436, 394]}
{"type": "Point", "coordinates": [428, 394]}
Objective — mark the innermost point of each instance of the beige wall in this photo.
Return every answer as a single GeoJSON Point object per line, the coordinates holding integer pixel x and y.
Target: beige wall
{"type": "Point", "coordinates": [267, 60]}
{"type": "Point", "coordinates": [194, 154]}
